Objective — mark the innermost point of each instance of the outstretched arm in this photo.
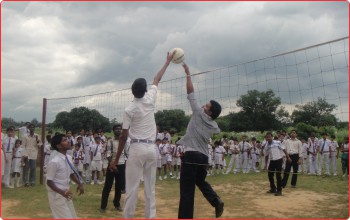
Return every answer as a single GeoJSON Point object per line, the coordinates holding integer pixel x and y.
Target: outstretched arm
{"type": "Point", "coordinates": [189, 84]}
{"type": "Point", "coordinates": [161, 72]}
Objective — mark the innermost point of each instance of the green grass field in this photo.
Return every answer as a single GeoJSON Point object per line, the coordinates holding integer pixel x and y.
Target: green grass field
{"type": "Point", "coordinates": [244, 196]}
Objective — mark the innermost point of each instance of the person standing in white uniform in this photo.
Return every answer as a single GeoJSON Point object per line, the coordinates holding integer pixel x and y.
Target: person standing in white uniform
{"type": "Point", "coordinates": [8, 145]}
{"type": "Point", "coordinates": [244, 147]}
{"type": "Point", "coordinates": [324, 147]}
{"type": "Point", "coordinates": [139, 124]}
{"type": "Point", "coordinates": [59, 171]}
{"type": "Point", "coordinates": [334, 154]}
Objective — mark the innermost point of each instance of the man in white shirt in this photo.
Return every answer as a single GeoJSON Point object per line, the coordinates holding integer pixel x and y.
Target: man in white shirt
{"type": "Point", "coordinates": [139, 124]}
{"type": "Point", "coordinates": [324, 147]}
{"type": "Point", "coordinates": [295, 152]}
{"type": "Point", "coordinates": [275, 150]}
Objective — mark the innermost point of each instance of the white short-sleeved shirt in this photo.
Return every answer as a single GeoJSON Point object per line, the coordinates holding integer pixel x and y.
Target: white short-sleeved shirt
{"type": "Point", "coordinates": [139, 116]}
{"type": "Point", "coordinates": [244, 147]}
{"type": "Point", "coordinates": [325, 144]}
{"type": "Point", "coordinates": [334, 145]}
{"type": "Point", "coordinates": [5, 144]}
{"type": "Point", "coordinates": [59, 171]}
{"type": "Point", "coordinates": [274, 150]}
{"type": "Point", "coordinates": [99, 151]}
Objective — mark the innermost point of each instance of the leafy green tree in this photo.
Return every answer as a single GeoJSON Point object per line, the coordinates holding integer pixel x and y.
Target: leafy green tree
{"type": "Point", "coordinates": [8, 122]}
{"type": "Point", "coordinates": [259, 112]}
{"type": "Point", "coordinates": [82, 117]}
{"type": "Point", "coordinates": [316, 113]}
{"type": "Point", "coordinates": [172, 120]}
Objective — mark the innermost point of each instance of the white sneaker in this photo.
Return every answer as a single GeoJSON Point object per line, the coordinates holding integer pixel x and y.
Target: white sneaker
{"type": "Point", "coordinates": [335, 174]}
{"type": "Point", "coordinates": [165, 177]}
{"type": "Point", "coordinates": [257, 171]}
{"type": "Point", "coordinates": [178, 178]}
{"type": "Point", "coordinates": [101, 182]}
{"type": "Point", "coordinates": [172, 177]}
{"type": "Point", "coordinates": [344, 175]}
{"type": "Point", "coordinates": [208, 174]}
{"type": "Point", "coordinates": [11, 186]}
{"type": "Point", "coordinates": [160, 178]}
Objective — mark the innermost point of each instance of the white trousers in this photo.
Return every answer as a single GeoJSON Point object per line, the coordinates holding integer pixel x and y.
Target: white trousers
{"type": "Point", "coordinates": [305, 164]}
{"type": "Point", "coordinates": [324, 159]}
{"type": "Point", "coordinates": [234, 160]}
{"type": "Point", "coordinates": [7, 169]}
{"type": "Point", "coordinates": [244, 162]}
{"type": "Point", "coordinates": [60, 206]}
{"type": "Point", "coordinates": [142, 162]}
{"type": "Point", "coordinates": [312, 164]}
{"type": "Point", "coordinates": [334, 161]}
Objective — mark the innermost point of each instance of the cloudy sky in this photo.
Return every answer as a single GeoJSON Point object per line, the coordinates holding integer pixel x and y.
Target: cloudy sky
{"type": "Point", "coordinates": [54, 49]}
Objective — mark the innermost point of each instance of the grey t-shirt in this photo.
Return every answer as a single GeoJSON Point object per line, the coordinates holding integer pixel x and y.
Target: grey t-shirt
{"type": "Point", "coordinates": [199, 129]}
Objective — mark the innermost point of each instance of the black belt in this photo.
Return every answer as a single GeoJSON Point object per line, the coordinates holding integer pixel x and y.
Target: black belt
{"type": "Point", "coordinates": [141, 141]}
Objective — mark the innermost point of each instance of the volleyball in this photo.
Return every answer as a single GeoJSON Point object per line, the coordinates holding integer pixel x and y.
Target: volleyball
{"type": "Point", "coordinates": [179, 56]}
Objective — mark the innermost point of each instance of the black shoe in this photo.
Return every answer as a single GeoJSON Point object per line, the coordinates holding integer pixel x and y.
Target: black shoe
{"type": "Point", "coordinates": [102, 210]}
{"type": "Point", "coordinates": [271, 191]}
{"type": "Point", "coordinates": [219, 208]}
{"type": "Point", "coordinates": [278, 193]}
{"type": "Point", "coordinates": [119, 208]}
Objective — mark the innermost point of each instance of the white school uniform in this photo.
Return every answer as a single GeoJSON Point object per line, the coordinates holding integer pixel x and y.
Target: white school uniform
{"type": "Point", "coordinates": [218, 154]}
{"type": "Point", "coordinates": [164, 152]}
{"type": "Point", "coordinates": [324, 147]}
{"type": "Point", "coordinates": [47, 153]}
{"type": "Point", "coordinates": [234, 152]}
{"type": "Point", "coordinates": [312, 148]}
{"type": "Point", "coordinates": [78, 157]}
{"type": "Point", "coordinates": [59, 171]}
{"type": "Point", "coordinates": [16, 161]}
{"type": "Point", "coordinates": [210, 156]}
{"type": "Point", "coordinates": [96, 163]}
{"type": "Point", "coordinates": [244, 147]}
{"type": "Point", "coordinates": [176, 153]}
{"type": "Point", "coordinates": [253, 158]}
{"type": "Point", "coordinates": [8, 145]}
{"type": "Point", "coordinates": [71, 142]}
{"type": "Point", "coordinates": [333, 163]}
{"type": "Point", "coordinates": [159, 155]}
{"type": "Point", "coordinates": [305, 159]}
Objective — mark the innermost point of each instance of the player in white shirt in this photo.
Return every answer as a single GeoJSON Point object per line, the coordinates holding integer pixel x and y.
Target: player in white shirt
{"type": "Point", "coordinates": [139, 124]}
{"type": "Point", "coordinates": [23, 131]}
{"type": "Point", "coordinates": [244, 149]}
{"type": "Point", "coordinates": [234, 152]}
{"type": "Point", "coordinates": [334, 154]}
{"type": "Point", "coordinates": [275, 150]}
{"type": "Point", "coordinates": [324, 148]}
{"type": "Point", "coordinates": [60, 171]}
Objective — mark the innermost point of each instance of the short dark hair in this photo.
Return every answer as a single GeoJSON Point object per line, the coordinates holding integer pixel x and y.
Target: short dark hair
{"type": "Point", "coordinates": [10, 129]}
{"type": "Point", "coordinates": [332, 136]}
{"type": "Point", "coordinates": [215, 109]}
{"type": "Point", "coordinates": [139, 87]}
{"type": "Point", "coordinates": [253, 139]}
{"type": "Point", "coordinates": [116, 125]}
{"type": "Point", "coordinates": [56, 140]}
{"type": "Point", "coordinates": [269, 133]}
{"type": "Point", "coordinates": [324, 133]}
